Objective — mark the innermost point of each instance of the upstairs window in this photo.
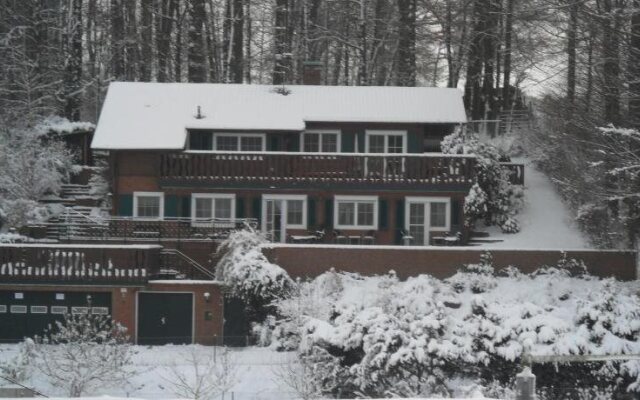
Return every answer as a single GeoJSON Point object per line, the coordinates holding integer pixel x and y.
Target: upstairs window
{"type": "Point", "coordinates": [321, 142]}
{"type": "Point", "coordinates": [239, 142]}
{"type": "Point", "coordinates": [200, 140]}
{"type": "Point", "coordinates": [386, 141]}
{"type": "Point", "coordinates": [148, 205]}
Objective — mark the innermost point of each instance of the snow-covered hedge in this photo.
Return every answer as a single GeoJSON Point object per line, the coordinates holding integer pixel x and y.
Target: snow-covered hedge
{"type": "Point", "coordinates": [493, 198]}
{"type": "Point", "coordinates": [379, 336]}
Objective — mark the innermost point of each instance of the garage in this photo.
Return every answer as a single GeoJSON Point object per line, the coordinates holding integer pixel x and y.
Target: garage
{"type": "Point", "coordinates": [27, 313]}
{"type": "Point", "coordinates": [164, 318]}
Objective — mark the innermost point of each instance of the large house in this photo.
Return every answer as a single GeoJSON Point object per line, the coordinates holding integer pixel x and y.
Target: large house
{"type": "Point", "coordinates": [346, 165]}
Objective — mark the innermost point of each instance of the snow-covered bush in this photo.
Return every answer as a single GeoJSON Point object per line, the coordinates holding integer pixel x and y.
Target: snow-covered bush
{"type": "Point", "coordinates": [252, 278]}
{"type": "Point", "coordinates": [246, 270]}
{"type": "Point", "coordinates": [84, 352]}
{"type": "Point", "coordinates": [379, 336]}
{"type": "Point", "coordinates": [493, 198]}
{"type": "Point", "coordinates": [19, 367]}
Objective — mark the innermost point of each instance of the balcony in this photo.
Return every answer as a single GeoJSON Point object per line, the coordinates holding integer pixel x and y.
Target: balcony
{"type": "Point", "coordinates": [400, 170]}
{"type": "Point", "coordinates": [78, 264]}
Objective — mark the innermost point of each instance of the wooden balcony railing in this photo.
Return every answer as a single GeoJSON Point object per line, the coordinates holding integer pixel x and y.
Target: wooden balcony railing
{"type": "Point", "coordinates": [318, 167]}
{"type": "Point", "coordinates": [78, 264]}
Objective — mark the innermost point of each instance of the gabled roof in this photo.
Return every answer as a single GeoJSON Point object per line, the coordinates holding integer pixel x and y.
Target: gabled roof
{"type": "Point", "coordinates": [157, 115]}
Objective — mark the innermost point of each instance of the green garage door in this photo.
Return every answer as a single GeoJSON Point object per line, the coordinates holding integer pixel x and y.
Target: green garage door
{"type": "Point", "coordinates": [165, 318]}
{"type": "Point", "coordinates": [28, 313]}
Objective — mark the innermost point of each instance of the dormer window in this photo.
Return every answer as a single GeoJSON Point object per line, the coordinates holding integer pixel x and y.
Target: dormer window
{"type": "Point", "coordinates": [209, 141]}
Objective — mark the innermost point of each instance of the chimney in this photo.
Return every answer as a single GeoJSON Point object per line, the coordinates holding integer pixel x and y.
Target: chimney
{"type": "Point", "coordinates": [312, 72]}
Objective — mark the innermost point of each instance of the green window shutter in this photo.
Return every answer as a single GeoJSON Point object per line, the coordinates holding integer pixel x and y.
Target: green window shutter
{"type": "Point", "coordinates": [361, 142]}
{"type": "Point", "coordinates": [414, 144]}
{"type": "Point", "coordinates": [311, 213]}
{"type": "Point", "coordinates": [239, 207]}
{"type": "Point", "coordinates": [328, 213]}
{"type": "Point", "coordinates": [257, 208]}
{"type": "Point", "coordinates": [347, 144]}
{"type": "Point", "coordinates": [125, 205]}
{"type": "Point", "coordinates": [185, 207]}
{"type": "Point", "coordinates": [273, 143]}
{"type": "Point", "coordinates": [399, 220]}
{"type": "Point", "coordinates": [455, 212]}
{"type": "Point", "coordinates": [171, 206]}
{"type": "Point", "coordinates": [383, 212]}
{"type": "Point", "coordinates": [293, 144]}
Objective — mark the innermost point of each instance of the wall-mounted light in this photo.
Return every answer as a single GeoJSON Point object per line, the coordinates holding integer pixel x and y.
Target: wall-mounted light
{"type": "Point", "coordinates": [123, 292]}
{"type": "Point", "coordinates": [207, 296]}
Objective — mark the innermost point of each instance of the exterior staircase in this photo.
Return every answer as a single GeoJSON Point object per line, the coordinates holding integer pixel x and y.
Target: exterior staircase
{"type": "Point", "coordinates": [514, 119]}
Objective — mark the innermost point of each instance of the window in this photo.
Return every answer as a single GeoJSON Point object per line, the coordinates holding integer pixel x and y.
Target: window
{"type": "Point", "coordinates": [386, 141]}
{"type": "Point", "coordinates": [208, 206]}
{"type": "Point", "coordinates": [18, 309]}
{"type": "Point", "coordinates": [149, 205]}
{"type": "Point", "coordinates": [200, 140]}
{"type": "Point", "coordinates": [59, 310]}
{"type": "Point", "coordinates": [79, 310]}
{"type": "Point", "coordinates": [356, 212]}
{"type": "Point", "coordinates": [295, 212]}
{"type": "Point", "coordinates": [439, 214]}
{"type": "Point", "coordinates": [38, 309]}
{"type": "Point", "coordinates": [320, 142]}
{"type": "Point", "coordinates": [239, 142]}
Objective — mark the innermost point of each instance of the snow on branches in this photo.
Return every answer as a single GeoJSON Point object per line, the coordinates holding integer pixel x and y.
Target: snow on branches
{"type": "Point", "coordinates": [492, 198]}
{"type": "Point", "coordinates": [247, 271]}
{"type": "Point", "coordinates": [379, 335]}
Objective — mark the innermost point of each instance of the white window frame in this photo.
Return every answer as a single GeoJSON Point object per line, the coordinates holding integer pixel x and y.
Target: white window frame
{"type": "Point", "coordinates": [18, 309]}
{"type": "Point", "coordinates": [356, 199]}
{"type": "Point", "coordinates": [59, 309]}
{"type": "Point", "coordinates": [148, 194]}
{"type": "Point", "coordinates": [216, 135]}
{"type": "Point", "coordinates": [213, 197]}
{"type": "Point", "coordinates": [337, 132]}
{"type": "Point", "coordinates": [386, 133]}
{"type": "Point", "coordinates": [429, 199]}
{"type": "Point", "coordinates": [39, 309]}
{"type": "Point", "coordinates": [287, 225]}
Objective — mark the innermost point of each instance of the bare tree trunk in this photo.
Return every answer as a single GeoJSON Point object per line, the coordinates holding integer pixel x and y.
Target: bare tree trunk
{"type": "Point", "coordinates": [164, 28]}
{"type": "Point", "coordinates": [611, 62]}
{"type": "Point", "coordinates": [146, 36]}
{"type": "Point", "coordinates": [117, 40]}
{"type": "Point", "coordinates": [572, 32]}
{"type": "Point", "coordinates": [195, 51]}
{"type": "Point", "coordinates": [73, 68]}
{"type": "Point", "coordinates": [634, 66]}
{"type": "Point", "coordinates": [406, 43]}
{"type": "Point", "coordinates": [508, 30]}
{"type": "Point", "coordinates": [282, 43]}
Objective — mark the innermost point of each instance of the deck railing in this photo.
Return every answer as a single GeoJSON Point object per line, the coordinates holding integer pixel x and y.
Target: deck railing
{"type": "Point", "coordinates": [137, 229]}
{"type": "Point", "coordinates": [78, 264]}
{"type": "Point", "coordinates": [324, 167]}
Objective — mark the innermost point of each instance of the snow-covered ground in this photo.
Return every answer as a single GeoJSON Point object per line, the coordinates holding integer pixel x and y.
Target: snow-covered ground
{"type": "Point", "coordinates": [256, 377]}
{"type": "Point", "coordinates": [545, 221]}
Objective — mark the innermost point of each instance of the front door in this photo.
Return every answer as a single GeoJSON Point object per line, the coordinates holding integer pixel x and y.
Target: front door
{"type": "Point", "coordinates": [418, 223]}
{"type": "Point", "coordinates": [275, 220]}
{"type": "Point", "coordinates": [165, 318]}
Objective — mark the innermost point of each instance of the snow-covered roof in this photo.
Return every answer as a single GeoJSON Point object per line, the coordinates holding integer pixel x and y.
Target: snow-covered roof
{"type": "Point", "coordinates": [138, 115]}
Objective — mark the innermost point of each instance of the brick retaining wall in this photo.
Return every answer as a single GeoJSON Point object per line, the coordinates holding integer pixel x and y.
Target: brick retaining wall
{"type": "Point", "coordinates": [312, 260]}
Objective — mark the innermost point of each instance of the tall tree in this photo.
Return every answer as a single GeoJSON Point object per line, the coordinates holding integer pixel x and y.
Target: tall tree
{"type": "Point", "coordinates": [196, 48]}
{"type": "Point", "coordinates": [406, 43]}
{"type": "Point", "coordinates": [117, 39]}
{"type": "Point", "coordinates": [73, 61]}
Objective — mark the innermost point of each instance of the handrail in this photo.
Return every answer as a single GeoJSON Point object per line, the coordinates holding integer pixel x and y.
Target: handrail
{"type": "Point", "coordinates": [327, 154]}
{"type": "Point", "coordinates": [189, 260]}
{"type": "Point", "coordinates": [67, 209]}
